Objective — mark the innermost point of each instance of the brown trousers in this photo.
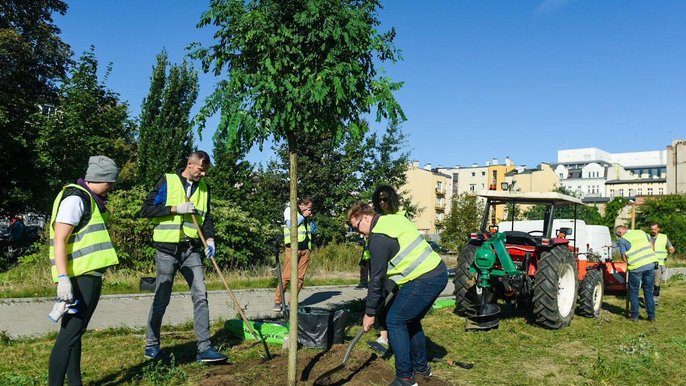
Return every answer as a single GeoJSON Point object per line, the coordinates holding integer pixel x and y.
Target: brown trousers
{"type": "Point", "coordinates": [303, 262]}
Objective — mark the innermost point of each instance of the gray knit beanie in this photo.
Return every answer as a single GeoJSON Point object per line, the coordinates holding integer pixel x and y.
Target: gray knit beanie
{"type": "Point", "coordinates": [101, 169]}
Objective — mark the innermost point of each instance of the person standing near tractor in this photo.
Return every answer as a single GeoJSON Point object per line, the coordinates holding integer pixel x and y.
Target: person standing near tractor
{"type": "Point", "coordinates": [306, 228]}
{"type": "Point", "coordinates": [175, 198]}
{"type": "Point", "coordinates": [636, 251]}
{"type": "Point", "coordinates": [80, 251]}
{"type": "Point", "coordinates": [662, 247]}
{"type": "Point", "coordinates": [400, 254]}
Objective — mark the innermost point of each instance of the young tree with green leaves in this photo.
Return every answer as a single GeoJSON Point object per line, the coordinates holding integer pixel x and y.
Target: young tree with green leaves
{"type": "Point", "coordinates": [296, 67]}
{"type": "Point", "coordinates": [165, 134]}
{"type": "Point", "coordinates": [89, 120]}
{"type": "Point", "coordinates": [670, 212]}
{"type": "Point", "coordinates": [33, 60]}
{"type": "Point", "coordinates": [464, 218]}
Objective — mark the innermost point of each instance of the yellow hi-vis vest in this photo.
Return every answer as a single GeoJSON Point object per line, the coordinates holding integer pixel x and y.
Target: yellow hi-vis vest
{"type": "Point", "coordinates": [303, 233]}
{"type": "Point", "coordinates": [415, 256]}
{"type": "Point", "coordinates": [174, 227]}
{"type": "Point", "coordinates": [661, 248]}
{"type": "Point", "coordinates": [641, 252]}
{"type": "Point", "coordinates": [366, 256]}
{"type": "Point", "coordinates": [88, 249]}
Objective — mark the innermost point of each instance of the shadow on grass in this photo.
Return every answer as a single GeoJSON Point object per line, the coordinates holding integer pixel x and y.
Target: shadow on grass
{"type": "Point", "coordinates": [183, 353]}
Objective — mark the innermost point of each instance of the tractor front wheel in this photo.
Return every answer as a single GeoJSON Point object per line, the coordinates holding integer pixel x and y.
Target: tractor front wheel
{"type": "Point", "coordinates": [467, 297]}
{"type": "Point", "coordinates": [555, 288]}
{"type": "Point", "coordinates": [591, 294]}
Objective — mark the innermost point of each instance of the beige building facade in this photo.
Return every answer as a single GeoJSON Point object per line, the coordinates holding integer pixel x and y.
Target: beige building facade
{"type": "Point", "coordinates": [676, 167]}
{"type": "Point", "coordinates": [430, 191]}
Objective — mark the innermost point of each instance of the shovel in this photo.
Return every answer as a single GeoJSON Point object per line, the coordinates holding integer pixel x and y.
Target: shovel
{"type": "Point", "coordinates": [231, 295]}
{"type": "Point", "coordinates": [351, 346]}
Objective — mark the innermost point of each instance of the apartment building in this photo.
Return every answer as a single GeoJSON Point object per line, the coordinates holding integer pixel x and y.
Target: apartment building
{"type": "Point", "coordinates": [676, 167]}
{"type": "Point", "coordinates": [541, 179]}
{"type": "Point", "coordinates": [430, 191]}
{"type": "Point", "coordinates": [598, 176]}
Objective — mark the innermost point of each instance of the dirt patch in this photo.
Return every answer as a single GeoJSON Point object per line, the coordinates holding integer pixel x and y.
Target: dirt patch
{"type": "Point", "coordinates": [363, 368]}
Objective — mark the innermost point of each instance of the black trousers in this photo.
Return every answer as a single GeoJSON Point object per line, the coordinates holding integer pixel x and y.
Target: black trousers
{"type": "Point", "coordinates": [65, 358]}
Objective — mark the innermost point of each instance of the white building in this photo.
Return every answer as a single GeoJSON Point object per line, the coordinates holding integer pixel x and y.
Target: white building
{"type": "Point", "coordinates": [587, 171]}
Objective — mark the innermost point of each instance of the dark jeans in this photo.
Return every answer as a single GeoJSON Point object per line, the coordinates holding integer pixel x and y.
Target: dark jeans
{"type": "Point", "coordinates": [65, 358]}
{"type": "Point", "coordinates": [635, 279]}
{"type": "Point", "coordinates": [189, 263]}
{"type": "Point", "coordinates": [404, 320]}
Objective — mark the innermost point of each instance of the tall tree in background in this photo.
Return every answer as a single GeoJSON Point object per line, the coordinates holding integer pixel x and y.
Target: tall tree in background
{"type": "Point", "coordinates": [385, 162]}
{"type": "Point", "coordinates": [296, 67]}
{"type": "Point", "coordinates": [165, 134]}
{"type": "Point", "coordinates": [670, 212]}
{"type": "Point", "coordinates": [33, 59]}
{"type": "Point", "coordinates": [233, 173]}
{"type": "Point", "coordinates": [464, 218]}
{"type": "Point", "coordinates": [89, 120]}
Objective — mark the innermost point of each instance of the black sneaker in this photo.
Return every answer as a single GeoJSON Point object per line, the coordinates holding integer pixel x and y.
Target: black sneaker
{"type": "Point", "coordinates": [361, 286]}
{"type": "Point", "coordinates": [426, 373]}
{"type": "Point", "coordinates": [211, 355]}
{"type": "Point", "coordinates": [154, 352]}
{"type": "Point", "coordinates": [403, 382]}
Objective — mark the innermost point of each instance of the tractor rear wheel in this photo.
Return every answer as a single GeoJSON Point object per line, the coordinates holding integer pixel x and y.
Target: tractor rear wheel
{"type": "Point", "coordinates": [466, 297]}
{"type": "Point", "coordinates": [591, 294]}
{"type": "Point", "coordinates": [555, 288]}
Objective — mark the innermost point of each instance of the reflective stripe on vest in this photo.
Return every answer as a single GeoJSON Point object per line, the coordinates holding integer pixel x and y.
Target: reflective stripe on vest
{"type": "Point", "coordinates": [90, 248]}
{"type": "Point", "coordinates": [415, 256]}
{"type": "Point", "coordinates": [303, 233]}
{"type": "Point", "coordinates": [174, 227]}
{"type": "Point", "coordinates": [641, 252]}
{"type": "Point", "coordinates": [661, 248]}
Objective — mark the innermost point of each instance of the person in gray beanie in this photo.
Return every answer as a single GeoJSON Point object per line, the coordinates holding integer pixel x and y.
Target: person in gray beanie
{"type": "Point", "coordinates": [78, 224]}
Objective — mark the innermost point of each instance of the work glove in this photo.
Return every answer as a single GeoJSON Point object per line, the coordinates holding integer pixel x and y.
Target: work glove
{"type": "Point", "coordinates": [209, 250]}
{"type": "Point", "coordinates": [185, 208]}
{"type": "Point", "coordinates": [61, 307]}
{"type": "Point", "coordinates": [64, 290]}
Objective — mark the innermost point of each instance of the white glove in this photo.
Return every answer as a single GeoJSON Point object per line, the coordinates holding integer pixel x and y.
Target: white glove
{"type": "Point", "coordinates": [185, 208]}
{"type": "Point", "coordinates": [64, 291]}
{"type": "Point", "coordinates": [209, 250]}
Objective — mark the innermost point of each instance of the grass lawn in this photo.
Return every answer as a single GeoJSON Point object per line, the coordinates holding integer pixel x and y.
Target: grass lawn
{"type": "Point", "coordinates": [607, 350]}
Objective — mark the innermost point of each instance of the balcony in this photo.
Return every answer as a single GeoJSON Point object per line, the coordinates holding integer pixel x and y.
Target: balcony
{"type": "Point", "coordinates": [439, 207]}
{"type": "Point", "coordinates": [440, 191]}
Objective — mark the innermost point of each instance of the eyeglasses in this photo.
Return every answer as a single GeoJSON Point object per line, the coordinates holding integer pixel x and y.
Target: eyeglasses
{"type": "Point", "coordinates": [356, 228]}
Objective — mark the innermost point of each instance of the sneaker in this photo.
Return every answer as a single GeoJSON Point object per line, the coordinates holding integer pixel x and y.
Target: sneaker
{"type": "Point", "coordinates": [277, 307]}
{"type": "Point", "coordinates": [403, 382]}
{"type": "Point", "coordinates": [384, 342]}
{"type": "Point", "coordinates": [153, 352]}
{"type": "Point", "coordinates": [361, 286]}
{"type": "Point", "coordinates": [210, 355]}
{"type": "Point", "coordinates": [657, 300]}
{"type": "Point", "coordinates": [426, 373]}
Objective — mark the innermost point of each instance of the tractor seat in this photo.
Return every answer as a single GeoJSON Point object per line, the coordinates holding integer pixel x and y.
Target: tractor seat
{"type": "Point", "coordinates": [520, 238]}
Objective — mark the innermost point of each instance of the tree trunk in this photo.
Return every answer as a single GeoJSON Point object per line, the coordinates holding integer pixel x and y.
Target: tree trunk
{"type": "Point", "coordinates": [293, 322]}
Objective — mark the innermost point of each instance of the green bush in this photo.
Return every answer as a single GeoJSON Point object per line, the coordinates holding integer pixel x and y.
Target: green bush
{"type": "Point", "coordinates": [339, 257]}
{"type": "Point", "coordinates": [131, 235]}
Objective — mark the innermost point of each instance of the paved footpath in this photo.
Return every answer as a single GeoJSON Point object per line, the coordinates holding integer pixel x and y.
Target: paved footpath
{"type": "Point", "coordinates": [29, 316]}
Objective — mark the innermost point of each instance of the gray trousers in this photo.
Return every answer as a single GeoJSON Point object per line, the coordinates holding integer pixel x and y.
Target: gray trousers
{"type": "Point", "coordinates": [189, 263]}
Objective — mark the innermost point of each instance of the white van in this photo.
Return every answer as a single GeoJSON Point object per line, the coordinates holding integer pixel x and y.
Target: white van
{"type": "Point", "coordinates": [590, 239]}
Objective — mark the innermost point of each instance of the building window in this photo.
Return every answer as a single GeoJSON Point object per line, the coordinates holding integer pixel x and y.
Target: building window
{"type": "Point", "coordinates": [612, 192]}
{"type": "Point", "coordinates": [660, 191]}
{"type": "Point", "coordinates": [472, 187]}
{"type": "Point", "coordinates": [562, 176]}
{"type": "Point", "coordinates": [650, 191]}
{"type": "Point", "coordinates": [483, 174]}
{"type": "Point", "coordinates": [631, 192]}
{"type": "Point", "coordinates": [621, 192]}
{"type": "Point", "coordinates": [639, 192]}
{"type": "Point", "coordinates": [473, 174]}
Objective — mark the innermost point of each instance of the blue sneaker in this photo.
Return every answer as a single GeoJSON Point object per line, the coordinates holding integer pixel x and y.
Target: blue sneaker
{"type": "Point", "coordinates": [154, 352]}
{"type": "Point", "coordinates": [210, 355]}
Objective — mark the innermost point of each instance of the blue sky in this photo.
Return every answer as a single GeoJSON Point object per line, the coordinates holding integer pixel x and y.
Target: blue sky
{"type": "Point", "coordinates": [483, 78]}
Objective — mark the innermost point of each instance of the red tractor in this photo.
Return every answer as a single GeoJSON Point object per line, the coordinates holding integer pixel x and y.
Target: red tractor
{"type": "Point", "coordinates": [540, 269]}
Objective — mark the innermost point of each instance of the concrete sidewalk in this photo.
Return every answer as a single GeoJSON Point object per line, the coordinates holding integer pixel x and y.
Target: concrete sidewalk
{"type": "Point", "coordinates": [29, 316]}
